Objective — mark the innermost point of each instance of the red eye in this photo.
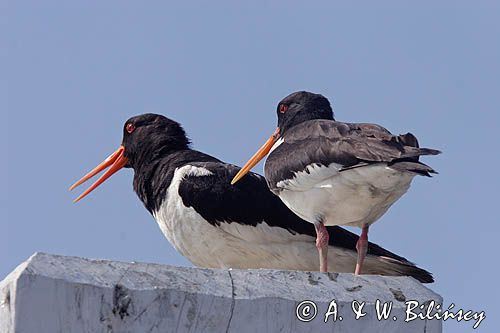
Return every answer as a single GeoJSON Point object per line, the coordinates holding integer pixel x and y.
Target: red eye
{"type": "Point", "coordinates": [283, 108]}
{"type": "Point", "coordinates": [130, 128]}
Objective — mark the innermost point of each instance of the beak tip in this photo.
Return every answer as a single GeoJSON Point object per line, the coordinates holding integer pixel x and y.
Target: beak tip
{"type": "Point", "coordinates": [236, 179]}
{"type": "Point", "coordinates": [115, 161]}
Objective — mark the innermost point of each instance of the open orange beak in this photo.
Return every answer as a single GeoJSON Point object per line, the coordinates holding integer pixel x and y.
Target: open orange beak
{"type": "Point", "coordinates": [260, 154]}
{"type": "Point", "coordinates": [116, 160]}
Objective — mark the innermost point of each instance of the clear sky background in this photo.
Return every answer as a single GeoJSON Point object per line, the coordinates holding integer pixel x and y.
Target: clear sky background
{"type": "Point", "coordinates": [73, 72]}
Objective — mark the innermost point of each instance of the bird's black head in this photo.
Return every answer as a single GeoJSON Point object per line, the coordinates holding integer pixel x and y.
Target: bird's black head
{"type": "Point", "coordinates": [294, 109]}
{"type": "Point", "coordinates": [145, 138]}
{"type": "Point", "coordinates": [301, 106]}
{"type": "Point", "coordinates": [149, 136]}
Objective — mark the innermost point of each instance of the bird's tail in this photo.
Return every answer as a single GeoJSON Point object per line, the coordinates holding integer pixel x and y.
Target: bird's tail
{"type": "Point", "coordinates": [429, 151]}
{"type": "Point", "coordinates": [345, 261]}
{"type": "Point", "coordinates": [412, 166]}
{"type": "Point", "coordinates": [378, 261]}
{"type": "Point", "coordinates": [389, 266]}
{"type": "Point", "coordinates": [409, 160]}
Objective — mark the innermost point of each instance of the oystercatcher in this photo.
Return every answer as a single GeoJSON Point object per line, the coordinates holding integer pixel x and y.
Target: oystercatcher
{"type": "Point", "coordinates": [217, 225]}
{"type": "Point", "coordinates": [334, 173]}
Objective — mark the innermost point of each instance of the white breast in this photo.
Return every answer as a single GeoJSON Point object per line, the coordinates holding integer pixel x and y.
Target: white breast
{"type": "Point", "coordinates": [276, 144]}
{"type": "Point", "coordinates": [352, 197]}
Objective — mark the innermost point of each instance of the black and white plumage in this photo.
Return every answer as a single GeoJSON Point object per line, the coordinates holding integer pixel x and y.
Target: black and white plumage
{"type": "Point", "coordinates": [335, 173]}
{"type": "Point", "coordinates": [341, 173]}
{"type": "Point", "coordinates": [218, 225]}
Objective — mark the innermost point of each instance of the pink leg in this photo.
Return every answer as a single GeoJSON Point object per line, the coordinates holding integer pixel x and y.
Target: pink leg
{"type": "Point", "coordinates": [362, 247]}
{"type": "Point", "coordinates": [322, 238]}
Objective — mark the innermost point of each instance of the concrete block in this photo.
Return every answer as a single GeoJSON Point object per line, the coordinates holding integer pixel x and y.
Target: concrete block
{"type": "Point", "coordinates": [51, 293]}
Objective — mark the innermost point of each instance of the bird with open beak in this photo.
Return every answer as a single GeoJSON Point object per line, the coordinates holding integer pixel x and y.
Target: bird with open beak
{"type": "Point", "coordinates": [217, 225]}
{"type": "Point", "coordinates": [334, 173]}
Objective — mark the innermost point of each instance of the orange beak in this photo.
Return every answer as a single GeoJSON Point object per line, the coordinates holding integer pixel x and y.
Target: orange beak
{"type": "Point", "coordinates": [116, 160]}
{"type": "Point", "coordinates": [260, 154]}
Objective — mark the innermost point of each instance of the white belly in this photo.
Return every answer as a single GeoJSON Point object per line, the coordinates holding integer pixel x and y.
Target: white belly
{"type": "Point", "coordinates": [232, 245]}
{"type": "Point", "coordinates": [352, 197]}
{"type": "Point", "coordinates": [227, 244]}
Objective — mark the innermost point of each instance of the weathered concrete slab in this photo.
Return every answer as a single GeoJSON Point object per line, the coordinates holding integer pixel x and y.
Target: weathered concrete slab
{"type": "Point", "coordinates": [50, 293]}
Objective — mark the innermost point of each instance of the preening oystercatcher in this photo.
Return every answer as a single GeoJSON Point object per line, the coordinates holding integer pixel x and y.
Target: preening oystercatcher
{"type": "Point", "coordinates": [334, 173]}
{"type": "Point", "coordinates": [217, 225]}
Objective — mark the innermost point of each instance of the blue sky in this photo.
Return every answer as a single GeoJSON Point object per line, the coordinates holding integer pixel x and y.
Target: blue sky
{"type": "Point", "coordinates": [74, 72]}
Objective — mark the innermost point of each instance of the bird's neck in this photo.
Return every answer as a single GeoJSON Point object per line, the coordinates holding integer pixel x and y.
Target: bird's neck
{"type": "Point", "coordinates": [152, 179]}
{"type": "Point", "coordinates": [303, 117]}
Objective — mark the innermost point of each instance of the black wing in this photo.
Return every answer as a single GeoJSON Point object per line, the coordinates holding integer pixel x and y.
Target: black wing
{"type": "Point", "coordinates": [250, 202]}
{"type": "Point", "coordinates": [350, 145]}
{"type": "Point", "coordinates": [247, 202]}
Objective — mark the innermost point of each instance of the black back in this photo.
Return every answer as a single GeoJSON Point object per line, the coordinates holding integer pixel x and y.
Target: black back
{"type": "Point", "coordinates": [323, 142]}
